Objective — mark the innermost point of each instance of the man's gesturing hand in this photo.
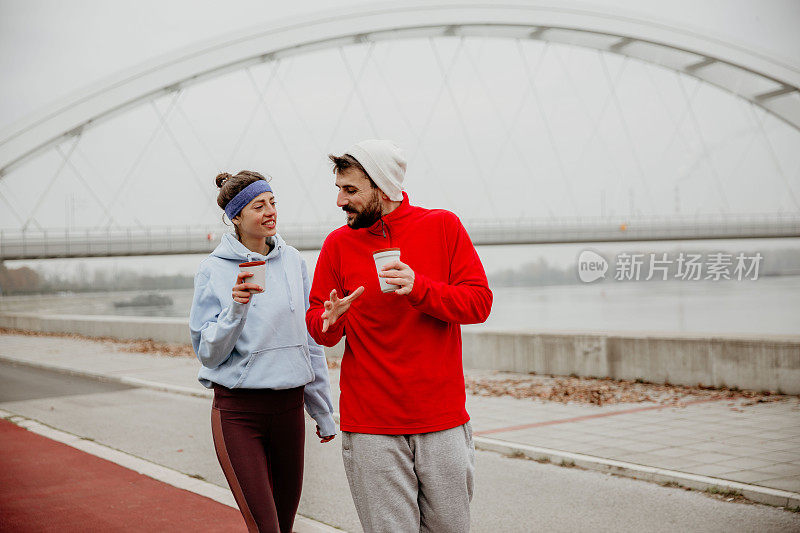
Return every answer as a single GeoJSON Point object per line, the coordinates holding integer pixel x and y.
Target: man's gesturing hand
{"type": "Point", "coordinates": [398, 273]}
{"type": "Point", "coordinates": [335, 307]}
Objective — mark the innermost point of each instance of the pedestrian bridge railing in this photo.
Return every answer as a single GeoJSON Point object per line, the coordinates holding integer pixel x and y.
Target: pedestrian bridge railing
{"type": "Point", "coordinates": [63, 243]}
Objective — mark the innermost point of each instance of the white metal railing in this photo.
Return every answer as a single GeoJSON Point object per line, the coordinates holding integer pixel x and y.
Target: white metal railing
{"type": "Point", "coordinates": [15, 244]}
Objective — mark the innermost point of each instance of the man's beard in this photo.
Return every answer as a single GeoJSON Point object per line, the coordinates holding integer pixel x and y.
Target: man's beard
{"type": "Point", "coordinates": [367, 216]}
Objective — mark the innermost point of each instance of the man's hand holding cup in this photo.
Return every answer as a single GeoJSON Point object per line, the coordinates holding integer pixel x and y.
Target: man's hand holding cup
{"type": "Point", "coordinates": [398, 273]}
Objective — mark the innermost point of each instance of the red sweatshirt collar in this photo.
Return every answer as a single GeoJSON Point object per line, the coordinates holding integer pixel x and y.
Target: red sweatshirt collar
{"type": "Point", "coordinates": [400, 211]}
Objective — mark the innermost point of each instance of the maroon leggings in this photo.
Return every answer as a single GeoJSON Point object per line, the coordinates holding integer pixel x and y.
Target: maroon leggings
{"type": "Point", "coordinates": [259, 436]}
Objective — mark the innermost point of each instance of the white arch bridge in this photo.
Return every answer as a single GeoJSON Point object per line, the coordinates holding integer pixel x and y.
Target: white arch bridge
{"type": "Point", "coordinates": [765, 89]}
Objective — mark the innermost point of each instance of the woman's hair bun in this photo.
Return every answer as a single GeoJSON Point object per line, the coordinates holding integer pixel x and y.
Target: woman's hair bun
{"type": "Point", "coordinates": [222, 178]}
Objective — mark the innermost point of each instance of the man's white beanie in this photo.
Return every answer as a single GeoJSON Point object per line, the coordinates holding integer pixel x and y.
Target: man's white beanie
{"type": "Point", "coordinates": [384, 163]}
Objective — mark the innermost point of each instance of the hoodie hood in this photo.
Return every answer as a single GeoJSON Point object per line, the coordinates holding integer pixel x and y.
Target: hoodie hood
{"type": "Point", "coordinates": [230, 248]}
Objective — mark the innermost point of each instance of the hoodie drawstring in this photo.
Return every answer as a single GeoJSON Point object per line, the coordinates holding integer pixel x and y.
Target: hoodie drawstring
{"type": "Point", "coordinates": [285, 278]}
{"type": "Point", "coordinates": [288, 287]}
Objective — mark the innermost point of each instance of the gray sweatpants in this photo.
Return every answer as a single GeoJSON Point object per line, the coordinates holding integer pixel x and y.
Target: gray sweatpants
{"type": "Point", "coordinates": [410, 483]}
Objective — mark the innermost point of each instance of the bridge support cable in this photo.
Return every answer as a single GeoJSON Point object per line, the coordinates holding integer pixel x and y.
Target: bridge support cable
{"type": "Point", "coordinates": [260, 92]}
{"type": "Point", "coordinates": [421, 149]}
{"type": "Point", "coordinates": [82, 179]}
{"type": "Point", "coordinates": [595, 124]}
{"type": "Point", "coordinates": [508, 128]}
{"type": "Point", "coordinates": [677, 133]}
{"type": "Point", "coordinates": [10, 206]}
{"type": "Point", "coordinates": [773, 156]}
{"type": "Point", "coordinates": [211, 157]}
{"type": "Point", "coordinates": [94, 171]}
{"type": "Point", "coordinates": [351, 94]}
{"type": "Point", "coordinates": [343, 112]}
{"type": "Point", "coordinates": [546, 121]}
{"type": "Point", "coordinates": [463, 125]}
{"type": "Point", "coordinates": [423, 132]}
{"type": "Point", "coordinates": [309, 132]}
{"type": "Point", "coordinates": [46, 192]}
{"type": "Point", "coordinates": [677, 123]}
{"type": "Point", "coordinates": [140, 156]}
{"type": "Point", "coordinates": [205, 191]}
{"type": "Point", "coordinates": [357, 90]}
{"type": "Point", "coordinates": [262, 128]}
{"type": "Point", "coordinates": [607, 100]}
{"type": "Point", "coordinates": [797, 174]}
{"type": "Point", "coordinates": [309, 199]}
{"type": "Point", "coordinates": [287, 95]}
{"type": "Point", "coordinates": [626, 128]}
{"type": "Point", "coordinates": [704, 144]}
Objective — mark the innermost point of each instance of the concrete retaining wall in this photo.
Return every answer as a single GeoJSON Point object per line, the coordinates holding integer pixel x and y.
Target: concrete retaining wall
{"type": "Point", "coordinates": [759, 363]}
{"type": "Point", "coordinates": [160, 329]}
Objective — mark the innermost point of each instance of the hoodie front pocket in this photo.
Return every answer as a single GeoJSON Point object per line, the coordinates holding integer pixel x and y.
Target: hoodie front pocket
{"type": "Point", "coordinates": [277, 368]}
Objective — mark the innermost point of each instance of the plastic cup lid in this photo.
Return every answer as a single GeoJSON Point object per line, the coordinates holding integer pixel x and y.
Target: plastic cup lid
{"type": "Point", "coordinates": [386, 250]}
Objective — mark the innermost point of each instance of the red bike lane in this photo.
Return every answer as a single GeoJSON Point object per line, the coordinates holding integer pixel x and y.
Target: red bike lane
{"type": "Point", "coordinates": [48, 486]}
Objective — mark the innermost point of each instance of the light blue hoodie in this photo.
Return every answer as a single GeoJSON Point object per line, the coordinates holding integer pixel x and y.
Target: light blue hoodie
{"type": "Point", "coordinates": [262, 344]}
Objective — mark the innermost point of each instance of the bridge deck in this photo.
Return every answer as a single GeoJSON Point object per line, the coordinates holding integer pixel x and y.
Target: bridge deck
{"type": "Point", "coordinates": [195, 240]}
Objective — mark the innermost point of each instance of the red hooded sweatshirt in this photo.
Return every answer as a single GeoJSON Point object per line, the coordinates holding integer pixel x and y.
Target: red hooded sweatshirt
{"type": "Point", "coordinates": [402, 371]}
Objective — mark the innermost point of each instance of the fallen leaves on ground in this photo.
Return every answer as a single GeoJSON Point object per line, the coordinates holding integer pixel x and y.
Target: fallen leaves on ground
{"type": "Point", "coordinates": [149, 346]}
{"type": "Point", "coordinates": [134, 346]}
{"type": "Point", "coordinates": [605, 391]}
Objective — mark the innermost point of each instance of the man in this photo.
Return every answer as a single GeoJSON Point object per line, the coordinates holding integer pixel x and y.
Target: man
{"type": "Point", "coordinates": [406, 439]}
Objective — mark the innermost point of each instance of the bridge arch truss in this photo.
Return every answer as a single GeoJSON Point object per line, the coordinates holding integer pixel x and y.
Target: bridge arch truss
{"type": "Point", "coordinates": [764, 81]}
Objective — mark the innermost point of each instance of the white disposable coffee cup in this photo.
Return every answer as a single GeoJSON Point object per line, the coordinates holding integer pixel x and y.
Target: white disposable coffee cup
{"type": "Point", "coordinates": [382, 258]}
{"type": "Point", "coordinates": [259, 270]}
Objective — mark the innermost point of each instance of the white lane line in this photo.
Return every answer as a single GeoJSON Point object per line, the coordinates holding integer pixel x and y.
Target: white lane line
{"type": "Point", "coordinates": [757, 493]}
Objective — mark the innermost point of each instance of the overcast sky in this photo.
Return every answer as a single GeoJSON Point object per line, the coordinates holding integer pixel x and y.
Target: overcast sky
{"type": "Point", "coordinates": [49, 48]}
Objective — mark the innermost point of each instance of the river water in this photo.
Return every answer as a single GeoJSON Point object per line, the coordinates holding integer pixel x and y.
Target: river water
{"type": "Point", "coordinates": [769, 305]}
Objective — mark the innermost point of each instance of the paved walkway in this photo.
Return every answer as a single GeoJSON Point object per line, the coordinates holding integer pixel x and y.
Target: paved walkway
{"type": "Point", "coordinates": [758, 444]}
{"type": "Point", "coordinates": [752, 449]}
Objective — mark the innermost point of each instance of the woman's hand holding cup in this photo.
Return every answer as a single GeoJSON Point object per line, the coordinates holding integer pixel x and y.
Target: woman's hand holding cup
{"type": "Point", "coordinates": [324, 439]}
{"type": "Point", "coordinates": [242, 290]}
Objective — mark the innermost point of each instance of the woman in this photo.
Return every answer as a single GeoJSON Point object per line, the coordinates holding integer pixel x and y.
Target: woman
{"type": "Point", "coordinates": [258, 358]}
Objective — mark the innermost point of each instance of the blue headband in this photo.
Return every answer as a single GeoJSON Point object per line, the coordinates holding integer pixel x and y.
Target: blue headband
{"type": "Point", "coordinates": [246, 196]}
